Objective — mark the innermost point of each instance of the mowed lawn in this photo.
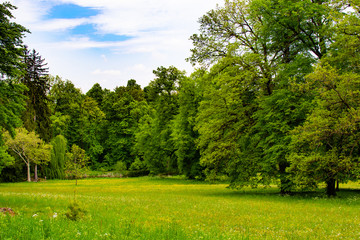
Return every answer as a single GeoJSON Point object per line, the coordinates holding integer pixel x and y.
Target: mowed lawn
{"type": "Point", "coordinates": [170, 208]}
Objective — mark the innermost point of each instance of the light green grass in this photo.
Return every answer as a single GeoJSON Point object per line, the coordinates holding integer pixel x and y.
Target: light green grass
{"type": "Point", "coordinates": [155, 208]}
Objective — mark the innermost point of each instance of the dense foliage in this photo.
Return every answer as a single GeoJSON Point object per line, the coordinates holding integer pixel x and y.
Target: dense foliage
{"type": "Point", "coordinates": [275, 101]}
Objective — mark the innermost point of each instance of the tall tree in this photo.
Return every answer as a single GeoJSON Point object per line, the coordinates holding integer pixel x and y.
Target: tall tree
{"type": "Point", "coordinates": [65, 101]}
{"type": "Point", "coordinates": [326, 146]}
{"type": "Point", "coordinates": [97, 93]}
{"type": "Point", "coordinates": [11, 106]}
{"type": "Point", "coordinates": [11, 99]}
{"type": "Point", "coordinates": [37, 114]}
{"type": "Point", "coordinates": [153, 140]}
{"type": "Point", "coordinates": [224, 120]}
{"type": "Point", "coordinates": [183, 133]}
{"type": "Point", "coordinates": [120, 125]}
{"type": "Point", "coordinates": [11, 43]}
{"type": "Point", "coordinates": [91, 118]}
{"type": "Point", "coordinates": [254, 47]}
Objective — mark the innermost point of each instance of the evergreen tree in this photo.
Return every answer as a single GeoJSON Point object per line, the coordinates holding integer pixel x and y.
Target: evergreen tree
{"type": "Point", "coordinates": [37, 114]}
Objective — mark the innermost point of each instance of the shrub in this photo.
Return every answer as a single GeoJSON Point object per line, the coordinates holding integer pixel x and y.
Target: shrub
{"type": "Point", "coordinates": [120, 167]}
{"type": "Point", "coordinates": [76, 212]}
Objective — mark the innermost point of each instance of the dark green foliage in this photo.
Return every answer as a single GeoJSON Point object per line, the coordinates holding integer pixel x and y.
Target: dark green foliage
{"type": "Point", "coordinates": [183, 134]}
{"type": "Point", "coordinates": [325, 147]}
{"type": "Point", "coordinates": [11, 99]}
{"type": "Point", "coordinates": [14, 172]}
{"type": "Point", "coordinates": [224, 120]}
{"type": "Point", "coordinates": [77, 117]}
{"type": "Point", "coordinates": [260, 51]}
{"type": "Point", "coordinates": [11, 105]}
{"type": "Point", "coordinates": [11, 43]}
{"type": "Point", "coordinates": [65, 101]}
{"type": "Point", "coordinates": [91, 118]}
{"type": "Point", "coordinates": [64, 96]}
{"type": "Point", "coordinates": [153, 138]}
{"type": "Point", "coordinates": [37, 114]}
{"type": "Point", "coordinates": [122, 108]}
{"type": "Point", "coordinates": [96, 93]}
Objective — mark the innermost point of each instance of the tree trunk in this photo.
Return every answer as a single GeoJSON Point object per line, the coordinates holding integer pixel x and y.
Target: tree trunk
{"type": "Point", "coordinates": [285, 183]}
{"type": "Point", "coordinates": [36, 175]}
{"type": "Point", "coordinates": [28, 172]}
{"type": "Point", "coordinates": [330, 188]}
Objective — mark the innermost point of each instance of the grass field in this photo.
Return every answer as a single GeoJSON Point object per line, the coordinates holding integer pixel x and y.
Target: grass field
{"type": "Point", "coordinates": [169, 208]}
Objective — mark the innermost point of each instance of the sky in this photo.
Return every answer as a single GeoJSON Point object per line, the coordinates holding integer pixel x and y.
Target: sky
{"type": "Point", "coordinates": [111, 41]}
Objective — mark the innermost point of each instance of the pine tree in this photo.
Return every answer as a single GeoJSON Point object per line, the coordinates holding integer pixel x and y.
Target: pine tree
{"type": "Point", "coordinates": [37, 114]}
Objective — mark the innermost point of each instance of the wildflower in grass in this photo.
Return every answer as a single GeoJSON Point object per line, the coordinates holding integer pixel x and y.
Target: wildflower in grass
{"type": "Point", "coordinates": [55, 215]}
{"type": "Point", "coordinates": [35, 215]}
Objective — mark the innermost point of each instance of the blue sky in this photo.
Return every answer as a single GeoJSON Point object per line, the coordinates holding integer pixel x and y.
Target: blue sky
{"type": "Point", "coordinates": [111, 41]}
{"type": "Point", "coordinates": [70, 11]}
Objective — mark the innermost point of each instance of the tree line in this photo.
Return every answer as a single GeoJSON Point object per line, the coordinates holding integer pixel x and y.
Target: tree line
{"type": "Point", "coordinates": [274, 99]}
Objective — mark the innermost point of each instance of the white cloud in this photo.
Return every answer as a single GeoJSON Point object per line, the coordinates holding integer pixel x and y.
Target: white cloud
{"type": "Point", "coordinates": [75, 43]}
{"type": "Point", "coordinates": [160, 31]}
{"type": "Point", "coordinates": [104, 58]}
{"type": "Point", "coordinates": [59, 24]}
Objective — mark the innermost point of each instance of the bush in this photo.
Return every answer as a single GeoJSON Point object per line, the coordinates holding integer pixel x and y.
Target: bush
{"type": "Point", "coordinates": [120, 167]}
{"type": "Point", "coordinates": [138, 173]}
{"type": "Point", "coordinates": [76, 212]}
{"type": "Point", "coordinates": [137, 165]}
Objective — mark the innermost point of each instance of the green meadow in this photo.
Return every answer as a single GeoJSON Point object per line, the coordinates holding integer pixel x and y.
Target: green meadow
{"type": "Point", "coordinates": [171, 208]}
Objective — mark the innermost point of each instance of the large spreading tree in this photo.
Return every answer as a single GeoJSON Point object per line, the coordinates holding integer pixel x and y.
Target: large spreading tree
{"type": "Point", "coordinates": [258, 50]}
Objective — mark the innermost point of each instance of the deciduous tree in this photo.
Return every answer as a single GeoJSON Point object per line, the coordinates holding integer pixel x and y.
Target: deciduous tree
{"type": "Point", "coordinates": [76, 162]}
{"type": "Point", "coordinates": [183, 133]}
{"type": "Point", "coordinates": [30, 148]}
{"type": "Point", "coordinates": [153, 139]}
{"type": "Point", "coordinates": [56, 167]}
{"type": "Point", "coordinates": [11, 43]}
{"type": "Point", "coordinates": [11, 99]}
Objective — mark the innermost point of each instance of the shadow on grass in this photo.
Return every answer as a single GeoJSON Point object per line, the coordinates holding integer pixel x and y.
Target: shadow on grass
{"type": "Point", "coordinates": [274, 193]}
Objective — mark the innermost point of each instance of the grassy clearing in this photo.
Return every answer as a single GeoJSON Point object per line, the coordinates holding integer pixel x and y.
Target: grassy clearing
{"type": "Point", "coordinates": [154, 208]}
